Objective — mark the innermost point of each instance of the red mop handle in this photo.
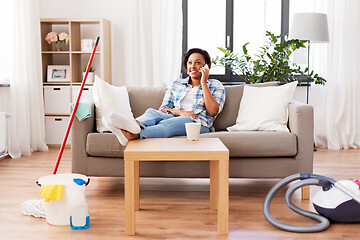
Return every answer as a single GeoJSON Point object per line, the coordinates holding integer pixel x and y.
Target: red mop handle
{"type": "Point", "coordinates": [75, 107]}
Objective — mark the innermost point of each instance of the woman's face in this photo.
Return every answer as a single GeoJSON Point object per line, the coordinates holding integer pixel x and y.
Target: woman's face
{"type": "Point", "coordinates": [194, 63]}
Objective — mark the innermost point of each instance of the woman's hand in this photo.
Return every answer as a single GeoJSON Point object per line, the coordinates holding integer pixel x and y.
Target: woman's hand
{"type": "Point", "coordinates": [180, 112]}
{"type": "Point", "coordinates": [187, 113]}
{"type": "Point", "coordinates": [211, 105]}
{"type": "Point", "coordinates": [204, 74]}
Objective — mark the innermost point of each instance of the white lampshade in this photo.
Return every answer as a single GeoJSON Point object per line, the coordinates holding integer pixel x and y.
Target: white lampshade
{"type": "Point", "coordinates": [309, 26]}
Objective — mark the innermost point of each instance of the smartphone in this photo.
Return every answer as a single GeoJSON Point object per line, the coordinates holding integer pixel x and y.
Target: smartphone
{"type": "Point", "coordinates": [205, 66]}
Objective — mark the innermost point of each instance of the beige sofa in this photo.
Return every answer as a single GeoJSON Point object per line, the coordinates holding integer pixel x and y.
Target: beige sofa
{"type": "Point", "coordinates": [253, 154]}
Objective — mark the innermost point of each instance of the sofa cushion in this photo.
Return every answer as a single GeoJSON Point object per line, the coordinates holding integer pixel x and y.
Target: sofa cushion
{"type": "Point", "coordinates": [104, 145]}
{"type": "Point", "coordinates": [240, 144]}
{"type": "Point", "coordinates": [233, 94]}
{"type": "Point", "coordinates": [142, 98]}
{"type": "Point", "coordinates": [109, 98]}
{"type": "Point", "coordinates": [264, 108]}
{"type": "Point", "coordinates": [257, 143]}
{"type": "Point", "coordinates": [227, 117]}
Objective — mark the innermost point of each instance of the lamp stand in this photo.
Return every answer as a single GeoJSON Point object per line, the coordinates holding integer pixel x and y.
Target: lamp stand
{"type": "Point", "coordinates": [308, 83]}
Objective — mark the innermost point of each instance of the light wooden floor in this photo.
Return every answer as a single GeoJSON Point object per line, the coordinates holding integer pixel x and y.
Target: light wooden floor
{"type": "Point", "coordinates": [177, 209]}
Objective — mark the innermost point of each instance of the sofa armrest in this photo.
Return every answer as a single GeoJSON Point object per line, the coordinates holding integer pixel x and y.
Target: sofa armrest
{"type": "Point", "coordinates": [301, 123]}
{"type": "Point", "coordinates": [79, 132]}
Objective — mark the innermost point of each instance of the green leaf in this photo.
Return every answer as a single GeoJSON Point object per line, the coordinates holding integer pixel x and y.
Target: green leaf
{"type": "Point", "coordinates": [244, 48]}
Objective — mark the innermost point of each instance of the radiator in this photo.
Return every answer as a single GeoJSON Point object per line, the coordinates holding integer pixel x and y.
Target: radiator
{"type": "Point", "coordinates": [3, 134]}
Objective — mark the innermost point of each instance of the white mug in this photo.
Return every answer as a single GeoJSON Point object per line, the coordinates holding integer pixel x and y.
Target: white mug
{"type": "Point", "coordinates": [193, 131]}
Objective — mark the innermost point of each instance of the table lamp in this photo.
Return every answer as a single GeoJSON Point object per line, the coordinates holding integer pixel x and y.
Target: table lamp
{"type": "Point", "coordinates": [312, 27]}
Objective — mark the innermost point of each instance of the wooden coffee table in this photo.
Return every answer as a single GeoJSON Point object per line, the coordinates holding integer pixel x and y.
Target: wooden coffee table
{"type": "Point", "coordinates": [178, 149]}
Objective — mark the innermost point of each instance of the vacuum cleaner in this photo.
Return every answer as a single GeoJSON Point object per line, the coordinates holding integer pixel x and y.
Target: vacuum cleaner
{"type": "Point", "coordinates": [338, 201]}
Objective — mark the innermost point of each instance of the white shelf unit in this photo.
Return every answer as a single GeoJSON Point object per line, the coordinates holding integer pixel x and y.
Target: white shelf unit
{"type": "Point", "coordinates": [59, 95]}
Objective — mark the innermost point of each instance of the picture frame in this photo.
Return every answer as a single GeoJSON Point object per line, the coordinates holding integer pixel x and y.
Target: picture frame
{"type": "Point", "coordinates": [58, 73]}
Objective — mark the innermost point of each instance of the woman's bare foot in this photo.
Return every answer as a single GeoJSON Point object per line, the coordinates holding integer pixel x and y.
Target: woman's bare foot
{"type": "Point", "coordinates": [130, 136]}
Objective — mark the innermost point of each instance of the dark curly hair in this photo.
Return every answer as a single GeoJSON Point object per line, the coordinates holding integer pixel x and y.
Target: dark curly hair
{"type": "Point", "coordinates": [204, 53]}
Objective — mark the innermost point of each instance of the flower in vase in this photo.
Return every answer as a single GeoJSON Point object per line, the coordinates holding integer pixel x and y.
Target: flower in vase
{"type": "Point", "coordinates": [64, 37]}
{"type": "Point", "coordinates": [51, 37]}
{"type": "Point", "coordinates": [57, 39]}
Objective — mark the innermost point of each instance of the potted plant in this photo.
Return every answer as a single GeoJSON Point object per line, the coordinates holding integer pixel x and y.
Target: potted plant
{"type": "Point", "coordinates": [270, 64]}
{"type": "Point", "coordinates": [90, 77]}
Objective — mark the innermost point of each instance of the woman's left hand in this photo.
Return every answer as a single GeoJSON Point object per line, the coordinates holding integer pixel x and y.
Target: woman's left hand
{"type": "Point", "coordinates": [204, 74]}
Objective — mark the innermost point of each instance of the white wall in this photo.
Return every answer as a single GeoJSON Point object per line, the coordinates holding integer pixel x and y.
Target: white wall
{"type": "Point", "coordinates": [113, 10]}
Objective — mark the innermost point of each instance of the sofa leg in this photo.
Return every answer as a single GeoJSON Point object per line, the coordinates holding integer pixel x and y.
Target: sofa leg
{"type": "Point", "coordinates": [305, 193]}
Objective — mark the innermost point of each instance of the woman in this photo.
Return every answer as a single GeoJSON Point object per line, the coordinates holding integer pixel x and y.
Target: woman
{"type": "Point", "coordinates": [193, 99]}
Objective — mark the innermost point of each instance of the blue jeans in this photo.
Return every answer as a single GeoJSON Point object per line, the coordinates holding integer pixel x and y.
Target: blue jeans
{"type": "Point", "coordinates": [156, 124]}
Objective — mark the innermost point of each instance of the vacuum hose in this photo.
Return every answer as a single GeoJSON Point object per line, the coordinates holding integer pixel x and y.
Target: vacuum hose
{"type": "Point", "coordinates": [307, 179]}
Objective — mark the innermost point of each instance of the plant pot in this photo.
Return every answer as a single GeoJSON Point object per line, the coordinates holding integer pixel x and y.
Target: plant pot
{"type": "Point", "coordinates": [90, 77]}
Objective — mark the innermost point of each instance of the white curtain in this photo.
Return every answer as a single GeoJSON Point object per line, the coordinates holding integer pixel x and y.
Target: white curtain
{"type": "Point", "coordinates": [27, 127]}
{"type": "Point", "coordinates": [153, 42]}
{"type": "Point", "coordinates": [337, 104]}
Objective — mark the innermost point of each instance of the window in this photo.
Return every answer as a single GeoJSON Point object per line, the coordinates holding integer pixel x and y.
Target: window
{"type": "Point", "coordinates": [205, 31]}
{"type": "Point", "coordinates": [209, 24]}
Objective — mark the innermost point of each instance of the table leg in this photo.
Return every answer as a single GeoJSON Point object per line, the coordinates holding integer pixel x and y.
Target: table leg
{"type": "Point", "coordinates": [129, 173]}
{"type": "Point", "coordinates": [223, 197]}
{"type": "Point", "coordinates": [214, 184]}
{"type": "Point", "coordinates": [305, 193]}
{"type": "Point", "coordinates": [137, 186]}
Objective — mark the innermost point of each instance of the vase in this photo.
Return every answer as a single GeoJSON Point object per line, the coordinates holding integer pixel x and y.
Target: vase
{"type": "Point", "coordinates": [90, 77]}
{"type": "Point", "coordinates": [58, 46]}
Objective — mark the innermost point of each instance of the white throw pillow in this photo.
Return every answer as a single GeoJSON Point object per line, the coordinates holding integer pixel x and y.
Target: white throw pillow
{"type": "Point", "coordinates": [109, 98]}
{"type": "Point", "coordinates": [264, 108]}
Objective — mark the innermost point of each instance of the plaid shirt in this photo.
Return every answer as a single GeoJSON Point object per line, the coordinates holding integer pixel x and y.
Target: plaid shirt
{"type": "Point", "coordinates": [177, 90]}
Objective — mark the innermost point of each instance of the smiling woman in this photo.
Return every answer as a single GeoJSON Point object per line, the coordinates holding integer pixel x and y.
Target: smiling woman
{"type": "Point", "coordinates": [193, 99]}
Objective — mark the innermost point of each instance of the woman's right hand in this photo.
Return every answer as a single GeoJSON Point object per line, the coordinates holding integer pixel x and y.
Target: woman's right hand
{"type": "Point", "coordinates": [187, 113]}
{"type": "Point", "coordinates": [181, 112]}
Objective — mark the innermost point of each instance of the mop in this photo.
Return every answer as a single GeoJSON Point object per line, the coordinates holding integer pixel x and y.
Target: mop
{"type": "Point", "coordinates": [36, 207]}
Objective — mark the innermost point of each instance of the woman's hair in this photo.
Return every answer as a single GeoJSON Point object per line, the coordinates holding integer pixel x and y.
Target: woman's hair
{"type": "Point", "coordinates": [204, 53]}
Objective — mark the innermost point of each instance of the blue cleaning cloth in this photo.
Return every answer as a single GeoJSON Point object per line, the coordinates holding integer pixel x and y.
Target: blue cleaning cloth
{"type": "Point", "coordinates": [84, 109]}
